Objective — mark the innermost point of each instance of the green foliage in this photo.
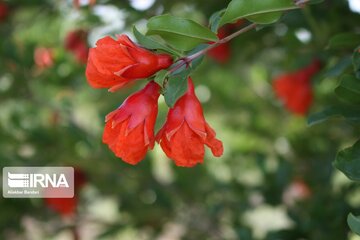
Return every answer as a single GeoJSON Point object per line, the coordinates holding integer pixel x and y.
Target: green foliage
{"type": "Point", "coordinates": [356, 62]}
{"type": "Point", "coordinates": [348, 161]}
{"type": "Point", "coordinates": [176, 87]}
{"type": "Point", "coordinates": [349, 113]}
{"type": "Point", "coordinates": [258, 11]}
{"type": "Point", "coordinates": [349, 89]}
{"type": "Point", "coordinates": [354, 223]}
{"type": "Point", "coordinates": [344, 40]}
{"type": "Point", "coordinates": [152, 44]}
{"type": "Point", "coordinates": [183, 34]}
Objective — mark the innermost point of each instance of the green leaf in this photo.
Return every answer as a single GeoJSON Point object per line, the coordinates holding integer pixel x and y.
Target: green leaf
{"type": "Point", "coordinates": [344, 41]}
{"type": "Point", "coordinates": [176, 87]}
{"type": "Point", "coordinates": [182, 34]}
{"type": "Point", "coordinates": [349, 113]}
{"type": "Point", "coordinates": [258, 11]}
{"type": "Point", "coordinates": [356, 62]}
{"type": "Point", "coordinates": [150, 43]}
{"type": "Point", "coordinates": [354, 223]}
{"type": "Point", "coordinates": [339, 68]}
{"type": "Point", "coordinates": [214, 21]}
{"type": "Point", "coordinates": [315, 1]}
{"type": "Point", "coordinates": [160, 76]}
{"type": "Point", "coordinates": [348, 161]}
{"type": "Point", "coordinates": [349, 89]}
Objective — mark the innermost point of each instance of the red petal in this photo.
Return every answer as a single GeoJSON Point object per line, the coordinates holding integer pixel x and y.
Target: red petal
{"type": "Point", "coordinates": [214, 144]}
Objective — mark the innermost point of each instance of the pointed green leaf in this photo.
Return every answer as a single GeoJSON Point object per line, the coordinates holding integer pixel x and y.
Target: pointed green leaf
{"type": "Point", "coordinates": [356, 62]}
{"type": "Point", "coordinates": [349, 89]}
{"type": "Point", "coordinates": [348, 161]}
{"type": "Point", "coordinates": [176, 87]}
{"type": "Point", "coordinates": [182, 34]}
{"type": "Point", "coordinates": [149, 43]}
{"type": "Point", "coordinates": [214, 20]}
{"type": "Point", "coordinates": [354, 223]}
{"type": "Point", "coordinates": [349, 113]}
{"type": "Point", "coordinates": [339, 68]}
{"type": "Point", "coordinates": [344, 41]}
{"type": "Point", "coordinates": [160, 76]}
{"type": "Point", "coordinates": [258, 11]}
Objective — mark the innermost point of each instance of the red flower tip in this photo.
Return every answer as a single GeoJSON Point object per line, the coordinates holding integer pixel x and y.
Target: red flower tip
{"type": "Point", "coordinates": [43, 57]}
{"type": "Point", "coordinates": [129, 130]}
{"type": "Point", "coordinates": [114, 63]}
{"type": "Point", "coordinates": [4, 11]}
{"type": "Point", "coordinates": [185, 132]}
{"type": "Point", "coordinates": [75, 42]}
{"type": "Point", "coordinates": [295, 89]}
{"type": "Point", "coordinates": [63, 206]}
{"type": "Point", "coordinates": [67, 206]}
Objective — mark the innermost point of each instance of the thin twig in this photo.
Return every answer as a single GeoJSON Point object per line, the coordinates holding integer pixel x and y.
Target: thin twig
{"type": "Point", "coordinates": [188, 59]}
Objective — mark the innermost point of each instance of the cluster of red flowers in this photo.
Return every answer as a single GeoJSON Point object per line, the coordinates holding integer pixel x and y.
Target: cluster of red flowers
{"type": "Point", "coordinates": [295, 89]}
{"type": "Point", "coordinates": [75, 42]}
{"type": "Point", "coordinates": [43, 57]}
{"type": "Point", "coordinates": [129, 130]}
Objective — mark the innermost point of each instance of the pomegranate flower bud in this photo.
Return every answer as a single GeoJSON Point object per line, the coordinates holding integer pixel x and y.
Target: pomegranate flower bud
{"type": "Point", "coordinates": [43, 57]}
{"type": "Point", "coordinates": [129, 130]}
{"type": "Point", "coordinates": [185, 132]}
{"type": "Point", "coordinates": [221, 53]}
{"type": "Point", "coordinates": [298, 190]}
{"type": "Point", "coordinates": [114, 63]}
{"type": "Point", "coordinates": [67, 206]}
{"type": "Point", "coordinates": [75, 42]}
{"type": "Point", "coordinates": [4, 11]}
{"type": "Point", "coordinates": [295, 90]}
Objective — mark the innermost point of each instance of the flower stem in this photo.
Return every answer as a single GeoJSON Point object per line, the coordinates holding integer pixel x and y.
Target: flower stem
{"type": "Point", "coordinates": [189, 59]}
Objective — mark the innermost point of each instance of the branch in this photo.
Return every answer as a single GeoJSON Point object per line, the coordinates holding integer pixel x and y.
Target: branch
{"type": "Point", "coordinates": [187, 60]}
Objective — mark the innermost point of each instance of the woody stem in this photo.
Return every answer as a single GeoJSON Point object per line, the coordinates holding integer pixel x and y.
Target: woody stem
{"type": "Point", "coordinates": [188, 59]}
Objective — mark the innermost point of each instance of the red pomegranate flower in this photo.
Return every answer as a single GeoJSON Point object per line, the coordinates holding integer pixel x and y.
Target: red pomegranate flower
{"type": "Point", "coordinates": [221, 53]}
{"type": "Point", "coordinates": [298, 190]}
{"type": "Point", "coordinates": [114, 63]}
{"type": "Point", "coordinates": [76, 3]}
{"type": "Point", "coordinates": [295, 90]}
{"type": "Point", "coordinates": [43, 57]}
{"type": "Point", "coordinates": [185, 132]}
{"type": "Point", "coordinates": [4, 11]}
{"type": "Point", "coordinates": [129, 130]}
{"type": "Point", "coordinates": [76, 43]}
{"type": "Point", "coordinates": [67, 206]}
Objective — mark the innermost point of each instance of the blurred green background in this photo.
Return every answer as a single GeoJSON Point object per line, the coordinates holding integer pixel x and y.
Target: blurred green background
{"type": "Point", "coordinates": [275, 179]}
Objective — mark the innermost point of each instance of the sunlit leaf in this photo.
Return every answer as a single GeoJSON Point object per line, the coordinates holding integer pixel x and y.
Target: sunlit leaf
{"type": "Point", "coordinates": [354, 223]}
{"type": "Point", "coordinates": [149, 43]}
{"type": "Point", "coordinates": [176, 87]}
{"type": "Point", "coordinates": [258, 11]}
{"type": "Point", "coordinates": [183, 34]}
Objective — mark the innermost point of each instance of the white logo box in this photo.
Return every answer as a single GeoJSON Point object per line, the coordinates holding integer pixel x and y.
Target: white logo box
{"type": "Point", "coordinates": [38, 182]}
